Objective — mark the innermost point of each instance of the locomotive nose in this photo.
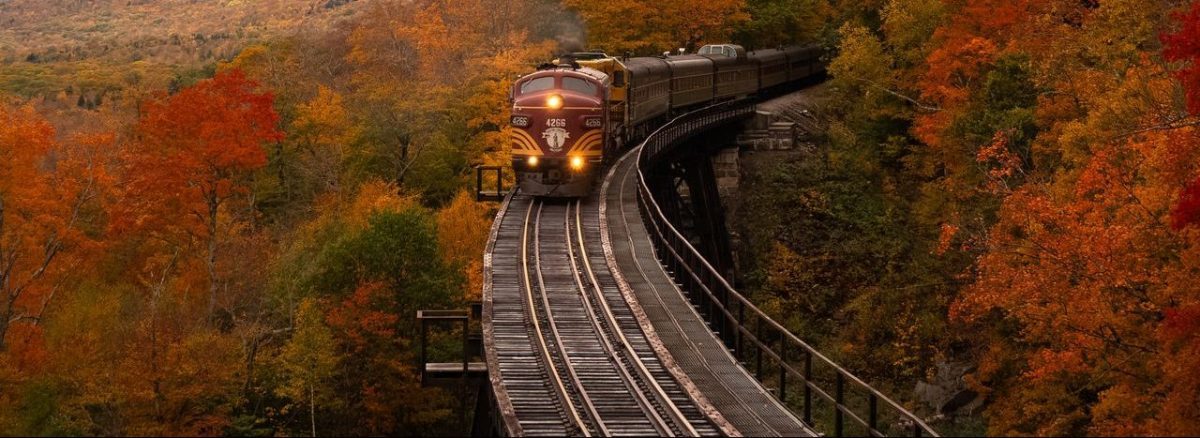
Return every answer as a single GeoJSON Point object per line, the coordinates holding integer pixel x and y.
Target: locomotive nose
{"type": "Point", "coordinates": [558, 132]}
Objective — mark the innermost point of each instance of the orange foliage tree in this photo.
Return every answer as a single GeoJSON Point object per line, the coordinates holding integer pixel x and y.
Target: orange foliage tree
{"type": "Point", "coordinates": [1055, 150]}
{"type": "Point", "coordinates": [1086, 281]}
{"type": "Point", "coordinates": [50, 201]}
{"type": "Point", "coordinates": [462, 236]}
{"type": "Point", "coordinates": [432, 73]}
{"type": "Point", "coordinates": [195, 154]}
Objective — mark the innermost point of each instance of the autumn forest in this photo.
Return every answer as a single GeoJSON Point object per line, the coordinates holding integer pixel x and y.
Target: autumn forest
{"type": "Point", "coordinates": [220, 217]}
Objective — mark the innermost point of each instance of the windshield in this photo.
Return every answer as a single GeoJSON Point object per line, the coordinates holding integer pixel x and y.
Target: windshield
{"type": "Point", "coordinates": [578, 85]}
{"type": "Point", "coordinates": [539, 84]}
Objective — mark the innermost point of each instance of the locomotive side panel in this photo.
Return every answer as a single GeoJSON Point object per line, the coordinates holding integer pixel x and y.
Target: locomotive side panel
{"type": "Point", "coordinates": [691, 80]}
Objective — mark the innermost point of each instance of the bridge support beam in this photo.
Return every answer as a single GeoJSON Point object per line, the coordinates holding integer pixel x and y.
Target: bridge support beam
{"type": "Point", "coordinates": [689, 194]}
{"type": "Point", "coordinates": [708, 214]}
{"type": "Point", "coordinates": [690, 197]}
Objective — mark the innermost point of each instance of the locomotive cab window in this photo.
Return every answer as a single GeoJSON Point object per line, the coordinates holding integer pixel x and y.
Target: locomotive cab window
{"type": "Point", "coordinates": [539, 84]}
{"type": "Point", "coordinates": [578, 85]}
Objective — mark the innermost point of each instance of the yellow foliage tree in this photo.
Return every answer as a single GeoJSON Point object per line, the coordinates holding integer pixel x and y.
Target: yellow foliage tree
{"type": "Point", "coordinates": [309, 360]}
{"type": "Point", "coordinates": [324, 130]}
{"type": "Point", "coordinates": [462, 235]}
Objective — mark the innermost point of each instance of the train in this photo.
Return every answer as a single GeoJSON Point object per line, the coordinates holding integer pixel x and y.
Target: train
{"type": "Point", "coordinates": [572, 114]}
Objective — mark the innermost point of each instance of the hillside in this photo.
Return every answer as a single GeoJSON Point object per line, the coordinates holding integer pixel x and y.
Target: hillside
{"type": "Point", "coordinates": [50, 45]}
{"type": "Point", "coordinates": [170, 31]}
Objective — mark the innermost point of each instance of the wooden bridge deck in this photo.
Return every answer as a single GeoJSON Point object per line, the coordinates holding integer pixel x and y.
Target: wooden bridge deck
{"type": "Point", "coordinates": [582, 380]}
{"type": "Point", "coordinates": [740, 399]}
{"type": "Point", "coordinates": [586, 333]}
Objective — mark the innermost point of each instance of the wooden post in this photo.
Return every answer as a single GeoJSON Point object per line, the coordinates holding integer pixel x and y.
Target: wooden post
{"type": "Point", "coordinates": [741, 323]}
{"type": "Point", "coordinates": [424, 338]}
{"type": "Point", "coordinates": [839, 397]}
{"type": "Point", "coordinates": [783, 369]}
{"type": "Point", "coordinates": [478, 184]}
{"type": "Point", "coordinates": [759, 348]}
{"type": "Point", "coordinates": [807, 388]}
{"type": "Point", "coordinates": [873, 414]}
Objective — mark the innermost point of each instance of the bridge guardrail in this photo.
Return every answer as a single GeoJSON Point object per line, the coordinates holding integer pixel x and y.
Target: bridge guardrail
{"type": "Point", "coordinates": [745, 323]}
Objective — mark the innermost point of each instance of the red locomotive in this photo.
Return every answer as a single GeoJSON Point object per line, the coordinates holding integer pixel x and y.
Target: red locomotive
{"type": "Point", "coordinates": [567, 115]}
{"type": "Point", "coordinates": [558, 135]}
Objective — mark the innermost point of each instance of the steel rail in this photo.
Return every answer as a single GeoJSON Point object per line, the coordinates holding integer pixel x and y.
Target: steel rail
{"type": "Point", "coordinates": [632, 356]}
{"type": "Point", "coordinates": [659, 423]}
{"type": "Point", "coordinates": [559, 387]}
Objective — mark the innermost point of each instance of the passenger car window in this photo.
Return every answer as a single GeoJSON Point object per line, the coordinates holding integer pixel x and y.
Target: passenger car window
{"type": "Point", "coordinates": [578, 85]}
{"type": "Point", "coordinates": [539, 84]}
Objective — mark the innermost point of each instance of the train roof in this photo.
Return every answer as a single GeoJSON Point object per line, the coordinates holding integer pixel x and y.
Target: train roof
{"type": "Point", "coordinates": [768, 54]}
{"type": "Point", "coordinates": [588, 56]}
{"type": "Point", "coordinates": [589, 72]}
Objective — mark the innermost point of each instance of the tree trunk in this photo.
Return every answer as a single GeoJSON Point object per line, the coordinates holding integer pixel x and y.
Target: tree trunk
{"type": "Point", "coordinates": [250, 356]}
{"type": "Point", "coordinates": [279, 169]}
{"type": "Point", "coordinates": [155, 296]}
{"type": "Point", "coordinates": [7, 314]}
{"type": "Point", "coordinates": [213, 204]}
{"type": "Point", "coordinates": [4, 329]}
{"type": "Point", "coordinates": [155, 382]}
{"type": "Point", "coordinates": [312, 408]}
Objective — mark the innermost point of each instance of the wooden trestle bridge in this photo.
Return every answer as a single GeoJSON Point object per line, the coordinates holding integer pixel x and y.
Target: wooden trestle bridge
{"type": "Point", "coordinates": [601, 318]}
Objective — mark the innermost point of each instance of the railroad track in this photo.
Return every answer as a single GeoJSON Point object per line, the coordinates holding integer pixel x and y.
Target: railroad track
{"type": "Point", "coordinates": [597, 374]}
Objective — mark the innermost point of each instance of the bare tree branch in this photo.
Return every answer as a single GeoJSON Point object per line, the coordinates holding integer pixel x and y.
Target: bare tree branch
{"type": "Point", "coordinates": [916, 103]}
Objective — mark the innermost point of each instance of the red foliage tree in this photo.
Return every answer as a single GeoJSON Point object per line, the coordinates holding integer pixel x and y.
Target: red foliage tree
{"type": "Point", "coordinates": [1187, 211]}
{"type": "Point", "coordinates": [1180, 334]}
{"type": "Point", "coordinates": [196, 152]}
{"type": "Point", "coordinates": [1184, 45]}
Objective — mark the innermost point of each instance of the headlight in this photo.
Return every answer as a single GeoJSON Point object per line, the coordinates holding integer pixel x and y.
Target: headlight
{"type": "Point", "coordinates": [554, 101]}
{"type": "Point", "coordinates": [533, 161]}
{"type": "Point", "coordinates": [520, 121]}
{"type": "Point", "coordinates": [577, 163]}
